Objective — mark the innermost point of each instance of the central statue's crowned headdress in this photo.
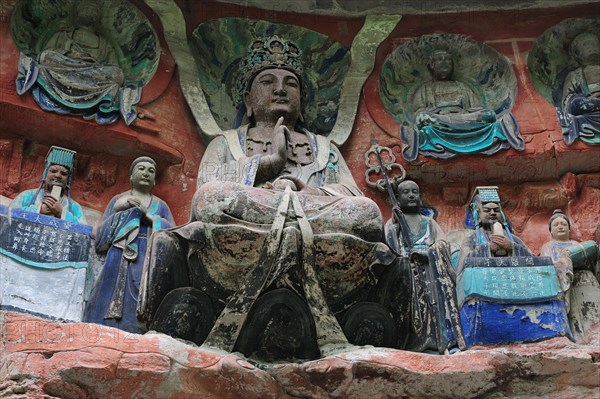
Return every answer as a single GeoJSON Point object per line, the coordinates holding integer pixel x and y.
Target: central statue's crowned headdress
{"type": "Point", "coordinates": [265, 53]}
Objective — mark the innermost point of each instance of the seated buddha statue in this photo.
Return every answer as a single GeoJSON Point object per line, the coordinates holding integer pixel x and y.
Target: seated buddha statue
{"type": "Point", "coordinates": [280, 235]}
{"type": "Point", "coordinates": [450, 119]}
{"type": "Point", "coordinates": [77, 71]}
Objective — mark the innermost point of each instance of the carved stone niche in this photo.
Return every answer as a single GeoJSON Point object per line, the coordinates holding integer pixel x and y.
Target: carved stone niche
{"type": "Point", "coordinates": [84, 59]}
{"type": "Point", "coordinates": [564, 66]}
{"type": "Point", "coordinates": [451, 95]}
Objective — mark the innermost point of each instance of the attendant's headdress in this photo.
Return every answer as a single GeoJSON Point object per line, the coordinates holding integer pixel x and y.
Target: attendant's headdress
{"type": "Point", "coordinates": [482, 195]}
{"type": "Point", "coordinates": [63, 157]}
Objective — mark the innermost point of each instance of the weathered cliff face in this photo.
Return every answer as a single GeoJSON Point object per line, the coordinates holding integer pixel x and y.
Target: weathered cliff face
{"type": "Point", "coordinates": [44, 359]}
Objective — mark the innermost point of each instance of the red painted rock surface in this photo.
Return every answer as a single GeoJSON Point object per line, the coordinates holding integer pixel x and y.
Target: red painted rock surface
{"type": "Point", "coordinates": [532, 183]}
{"type": "Point", "coordinates": [42, 359]}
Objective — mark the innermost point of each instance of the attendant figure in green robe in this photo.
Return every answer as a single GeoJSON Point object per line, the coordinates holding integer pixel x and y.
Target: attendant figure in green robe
{"type": "Point", "coordinates": [434, 324]}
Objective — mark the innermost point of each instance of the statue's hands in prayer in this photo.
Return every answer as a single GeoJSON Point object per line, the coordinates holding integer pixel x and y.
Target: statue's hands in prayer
{"type": "Point", "coordinates": [123, 203]}
{"type": "Point", "coordinates": [135, 202]}
{"type": "Point", "coordinates": [280, 143]}
{"type": "Point", "coordinates": [500, 242]}
{"type": "Point", "coordinates": [50, 206]}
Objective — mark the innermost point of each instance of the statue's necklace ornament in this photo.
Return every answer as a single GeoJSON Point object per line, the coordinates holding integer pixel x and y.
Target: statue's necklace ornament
{"type": "Point", "coordinates": [251, 145]}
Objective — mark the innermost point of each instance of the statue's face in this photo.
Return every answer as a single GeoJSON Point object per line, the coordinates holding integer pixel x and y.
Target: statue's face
{"type": "Point", "coordinates": [409, 197]}
{"type": "Point", "coordinates": [57, 175]}
{"type": "Point", "coordinates": [441, 65]}
{"type": "Point", "coordinates": [274, 93]}
{"type": "Point", "coordinates": [559, 229]}
{"type": "Point", "coordinates": [143, 176]}
{"type": "Point", "coordinates": [87, 13]}
{"type": "Point", "coordinates": [489, 213]}
{"type": "Point", "coordinates": [587, 49]}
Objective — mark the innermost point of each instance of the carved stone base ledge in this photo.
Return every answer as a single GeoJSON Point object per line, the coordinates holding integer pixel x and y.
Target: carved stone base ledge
{"type": "Point", "coordinates": [45, 359]}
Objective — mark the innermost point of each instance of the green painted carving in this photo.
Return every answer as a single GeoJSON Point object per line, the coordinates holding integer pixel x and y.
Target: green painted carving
{"type": "Point", "coordinates": [478, 72]}
{"type": "Point", "coordinates": [219, 44]}
{"type": "Point", "coordinates": [175, 34]}
{"type": "Point", "coordinates": [83, 56]}
{"type": "Point", "coordinates": [208, 89]}
{"type": "Point", "coordinates": [564, 66]}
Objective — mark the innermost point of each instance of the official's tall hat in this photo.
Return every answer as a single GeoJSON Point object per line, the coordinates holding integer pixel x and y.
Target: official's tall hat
{"type": "Point", "coordinates": [482, 195]}
{"type": "Point", "coordinates": [63, 157]}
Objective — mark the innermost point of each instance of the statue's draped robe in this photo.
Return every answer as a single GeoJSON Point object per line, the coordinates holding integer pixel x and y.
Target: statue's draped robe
{"type": "Point", "coordinates": [31, 201]}
{"type": "Point", "coordinates": [324, 250]}
{"type": "Point", "coordinates": [580, 113]}
{"type": "Point", "coordinates": [235, 196]}
{"type": "Point", "coordinates": [469, 129]}
{"type": "Point", "coordinates": [123, 236]}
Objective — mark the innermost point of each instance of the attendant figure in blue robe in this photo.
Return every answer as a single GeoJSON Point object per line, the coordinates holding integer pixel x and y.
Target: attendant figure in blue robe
{"type": "Point", "coordinates": [127, 223]}
{"type": "Point", "coordinates": [575, 273]}
{"type": "Point", "coordinates": [492, 236]}
{"type": "Point", "coordinates": [579, 114]}
{"type": "Point", "coordinates": [53, 197]}
{"type": "Point", "coordinates": [450, 119]}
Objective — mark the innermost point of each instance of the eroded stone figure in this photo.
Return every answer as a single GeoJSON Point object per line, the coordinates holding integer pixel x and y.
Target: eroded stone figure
{"type": "Point", "coordinates": [77, 71]}
{"type": "Point", "coordinates": [128, 221]}
{"type": "Point", "coordinates": [580, 112]}
{"type": "Point", "coordinates": [281, 239]}
{"type": "Point", "coordinates": [451, 119]}
{"type": "Point", "coordinates": [434, 320]}
{"type": "Point", "coordinates": [53, 196]}
{"type": "Point", "coordinates": [575, 265]}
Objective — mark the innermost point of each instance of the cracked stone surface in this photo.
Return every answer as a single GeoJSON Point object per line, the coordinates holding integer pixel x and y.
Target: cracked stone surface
{"type": "Point", "coordinates": [46, 359]}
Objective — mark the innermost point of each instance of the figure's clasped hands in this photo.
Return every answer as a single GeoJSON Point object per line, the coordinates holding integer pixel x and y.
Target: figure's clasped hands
{"type": "Point", "coordinates": [281, 183]}
{"type": "Point", "coordinates": [51, 206]}
{"type": "Point", "coordinates": [294, 183]}
{"type": "Point", "coordinates": [131, 201]}
{"type": "Point", "coordinates": [500, 242]}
